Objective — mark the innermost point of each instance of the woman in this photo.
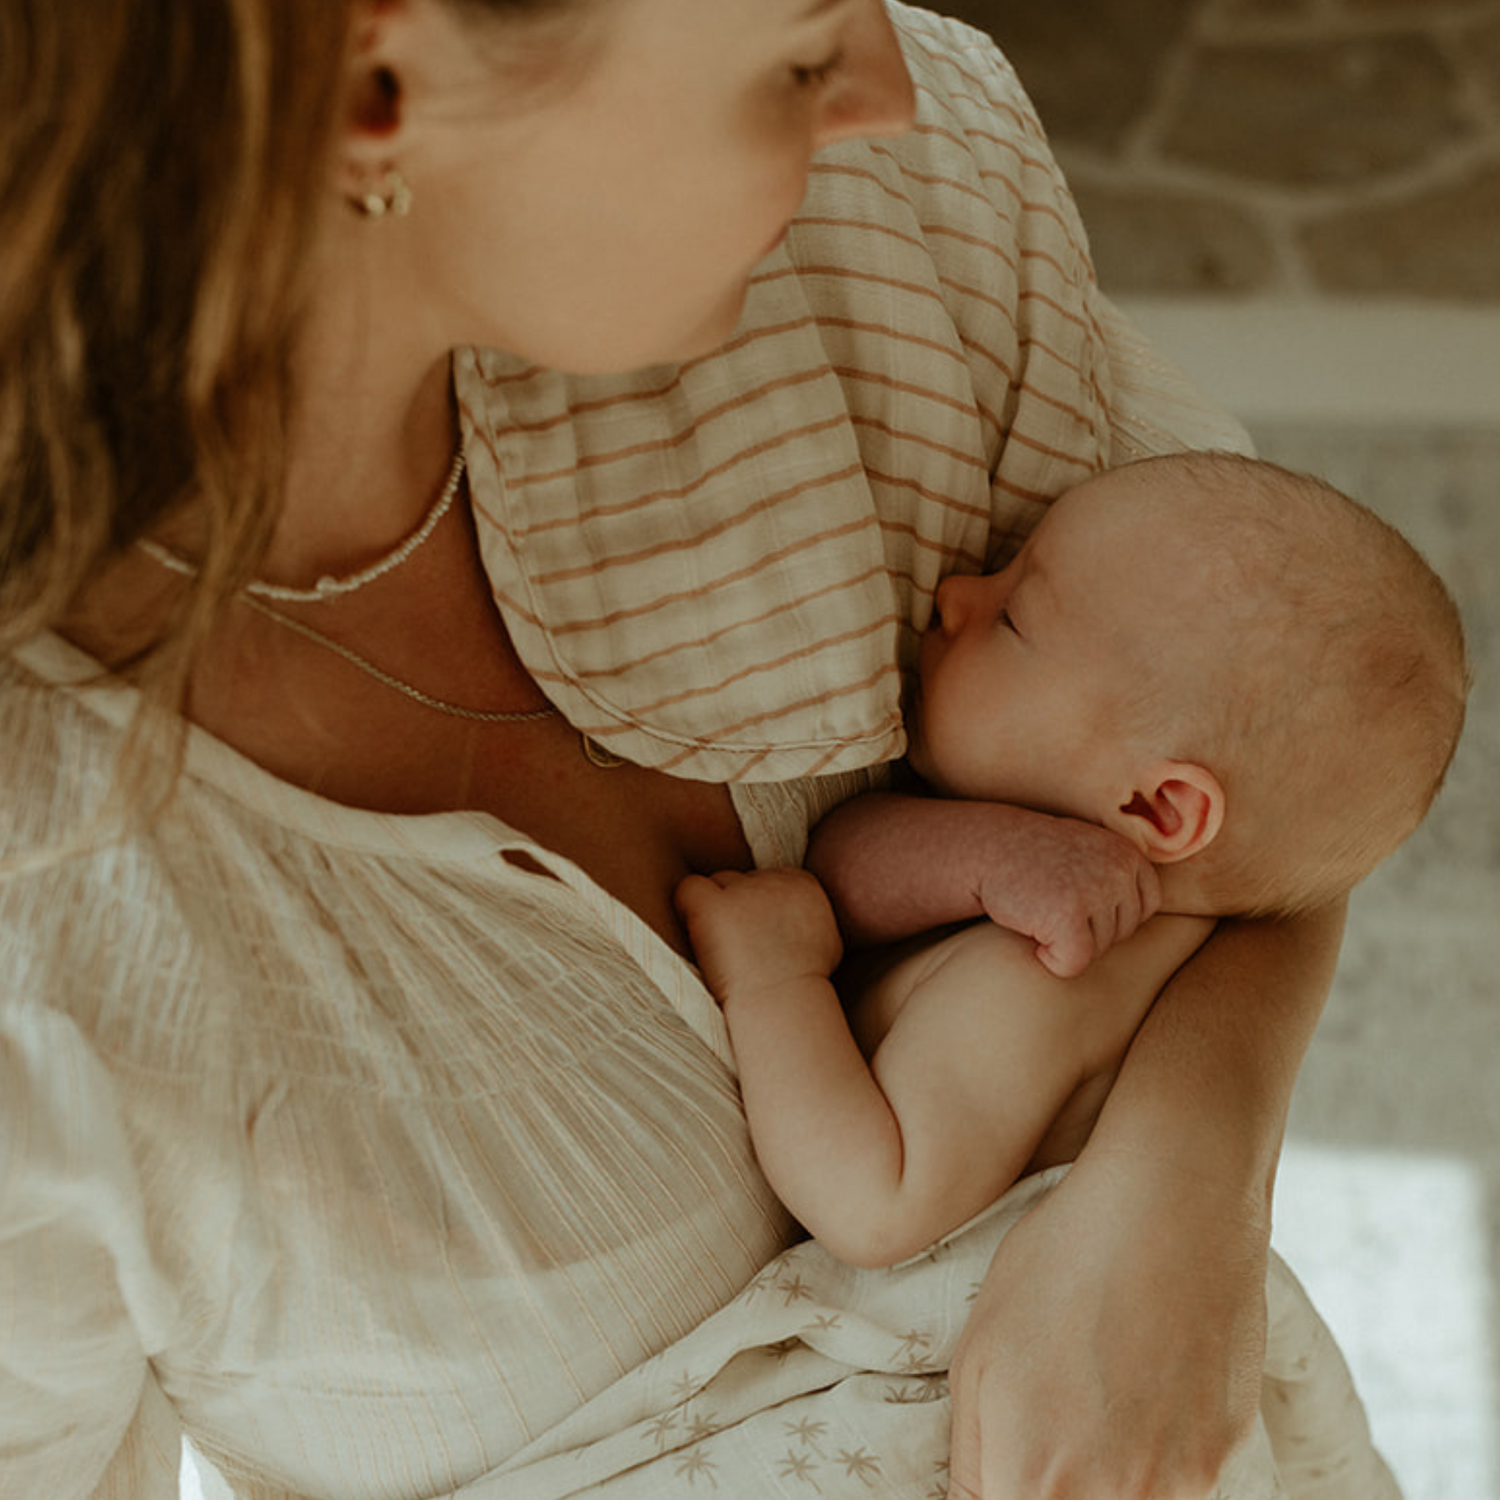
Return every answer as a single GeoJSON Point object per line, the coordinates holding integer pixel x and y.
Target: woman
{"type": "Point", "coordinates": [362, 1120]}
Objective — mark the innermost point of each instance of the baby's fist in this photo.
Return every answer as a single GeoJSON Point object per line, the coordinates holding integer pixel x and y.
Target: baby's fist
{"type": "Point", "coordinates": [756, 930]}
{"type": "Point", "coordinates": [1073, 887]}
{"type": "Point", "coordinates": [1101, 899]}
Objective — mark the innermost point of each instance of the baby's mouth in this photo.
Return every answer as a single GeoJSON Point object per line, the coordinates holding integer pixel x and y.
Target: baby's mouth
{"type": "Point", "coordinates": [929, 644]}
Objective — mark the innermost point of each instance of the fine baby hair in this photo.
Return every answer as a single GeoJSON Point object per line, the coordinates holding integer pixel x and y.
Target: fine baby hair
{"type": "Point", "coordinates": [1316, 664]}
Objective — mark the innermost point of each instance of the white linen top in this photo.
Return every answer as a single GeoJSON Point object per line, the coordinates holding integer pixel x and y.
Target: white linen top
{"type": "Point", "coordinates": [363, 1154]}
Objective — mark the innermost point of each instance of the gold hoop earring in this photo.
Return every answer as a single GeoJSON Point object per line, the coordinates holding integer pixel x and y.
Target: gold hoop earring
{"type": "Point", "coordinates": [388, 194]}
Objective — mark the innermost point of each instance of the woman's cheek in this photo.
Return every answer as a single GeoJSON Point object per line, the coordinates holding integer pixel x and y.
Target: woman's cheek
{"type": "Point", "coordinates": [781, 144]}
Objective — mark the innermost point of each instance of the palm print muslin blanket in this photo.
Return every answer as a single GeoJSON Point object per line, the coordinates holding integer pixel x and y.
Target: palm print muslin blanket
{"type": "Point", "coordinates": [824, 1382]}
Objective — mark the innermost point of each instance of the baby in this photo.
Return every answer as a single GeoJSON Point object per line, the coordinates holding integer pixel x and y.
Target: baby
{"type": "Point", "coordinates": [1205, 687]}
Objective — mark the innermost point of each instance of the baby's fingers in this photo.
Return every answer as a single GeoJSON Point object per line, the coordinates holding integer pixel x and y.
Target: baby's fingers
{"type": "Point", "coordinates": [1140, 900]}
{"type": "Point", "coordinates": [1147, 893]}
{"type": "Point", "coordinates": [695, 897]}
{"type": "Point", "coordinates": [1113, 924]}
{"type": "Point", "coordinates": [1068, 953]}
{"type": "Point", "coordinates": [700, 888]}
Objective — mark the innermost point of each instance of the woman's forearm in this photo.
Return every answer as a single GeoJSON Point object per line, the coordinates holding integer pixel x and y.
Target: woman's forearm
{"type": "Point", "coordinates": [1208, 1080]}
{"type": "Point", "coordinates": [1144, 1357]}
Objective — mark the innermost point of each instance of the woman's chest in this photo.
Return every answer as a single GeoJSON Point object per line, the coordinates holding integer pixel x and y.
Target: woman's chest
{"type": "Point", "coordinates": [636, 832]}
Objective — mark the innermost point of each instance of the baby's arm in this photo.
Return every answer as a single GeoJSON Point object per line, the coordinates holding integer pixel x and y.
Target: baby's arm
{"type": "Point", "coordinates": [823, 1132]}
{"type": "Point", "coordinates": [989, 1059]}
{"type": "Point", "coordinates": [895, 865]}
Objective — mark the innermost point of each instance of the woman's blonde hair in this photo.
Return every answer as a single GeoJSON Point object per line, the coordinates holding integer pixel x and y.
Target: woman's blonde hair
{"type": "Point", "coordinates": [160, 166]}
{"type": "Point", "coordinates": [163, 168]}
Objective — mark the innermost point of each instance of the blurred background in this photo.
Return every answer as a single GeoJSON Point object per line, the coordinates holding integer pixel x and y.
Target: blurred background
{"type": "Point", "coordinates": [1253, 147]}
{"type": "Point", "coordinates": [1300, 200]}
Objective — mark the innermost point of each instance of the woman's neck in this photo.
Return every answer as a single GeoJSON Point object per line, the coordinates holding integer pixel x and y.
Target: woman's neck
{"type": "Point", "coordinates": [372, 437]}
{"type": "Point", "coordinates": [373, 428]}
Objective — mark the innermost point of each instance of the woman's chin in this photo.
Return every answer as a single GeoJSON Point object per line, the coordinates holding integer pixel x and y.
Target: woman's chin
{"type": "Point", "coordinates": [662, 347]}
{"type": "Point", "coordinates": [717, 328]}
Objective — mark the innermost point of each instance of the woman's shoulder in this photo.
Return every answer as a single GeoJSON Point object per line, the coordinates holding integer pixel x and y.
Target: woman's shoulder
{"type": "Point", "coordinates": [966, 85]}
{"type": "Point", "coordinates": [70, 911]}
{"type": "Point", "coordinates": [54, 755]}
{"type": "Point", "coordinates": [107, 904]}
{"type": "Point", "coordinates": [976, 153]}
{"type": "Point", "coordinates": [957, 249]}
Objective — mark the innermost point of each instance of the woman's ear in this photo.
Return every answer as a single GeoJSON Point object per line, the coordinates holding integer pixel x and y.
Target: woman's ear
{"type": "Point", "coordinates": [1175, 813]}
{"type": "Point", "coordinates": [385, 33]}
{"type": "Point", "coordinates": [373, 114]}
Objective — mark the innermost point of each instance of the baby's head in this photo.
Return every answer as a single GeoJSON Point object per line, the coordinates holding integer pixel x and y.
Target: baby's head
{"type": "Point", "coordinates": [1243, 671]}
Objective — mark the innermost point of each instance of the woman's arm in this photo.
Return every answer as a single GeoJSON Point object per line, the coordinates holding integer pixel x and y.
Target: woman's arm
{"type": "Point", "coordinates": [82, 1414]}
{"type": "Point", "coordinates": [1115, 1351]}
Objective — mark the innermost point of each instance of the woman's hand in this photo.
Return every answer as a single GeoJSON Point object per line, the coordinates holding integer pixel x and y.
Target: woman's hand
{"type": "Point", "coordinates": [1115, 1350]}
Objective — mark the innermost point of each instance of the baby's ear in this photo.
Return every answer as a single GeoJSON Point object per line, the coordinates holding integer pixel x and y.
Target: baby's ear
{"type": "Point", "coordinates": [1173, 813]}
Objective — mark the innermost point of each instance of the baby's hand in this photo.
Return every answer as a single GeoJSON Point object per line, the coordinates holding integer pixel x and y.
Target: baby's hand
{"type": "Point", "coordinates": [1081, 890]}
{"type": "Point", "coordinates": [753, 931]}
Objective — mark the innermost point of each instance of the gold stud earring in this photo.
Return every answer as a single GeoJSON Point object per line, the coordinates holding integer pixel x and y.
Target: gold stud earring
{"type": "Point", "coordinates": [388, 194]}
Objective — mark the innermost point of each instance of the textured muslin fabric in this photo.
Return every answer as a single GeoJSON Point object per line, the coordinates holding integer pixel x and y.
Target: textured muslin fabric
{"type": "Point", "coordinates": [821, 1378]}
{"type": "Point", "coordinates": [365, 1150]}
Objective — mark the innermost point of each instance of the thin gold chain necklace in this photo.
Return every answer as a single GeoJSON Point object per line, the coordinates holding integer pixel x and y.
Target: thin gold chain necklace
{"type": "Point", "coordinates": [390, 680]}
{"type": "Point", "coordinates": [596, 754]}
{"type": "Point", "coordinates": [256, 593]}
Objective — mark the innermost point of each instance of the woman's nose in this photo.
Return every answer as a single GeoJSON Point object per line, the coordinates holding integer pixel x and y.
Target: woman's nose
{"type": "Point", "coordinates": [873, 96]}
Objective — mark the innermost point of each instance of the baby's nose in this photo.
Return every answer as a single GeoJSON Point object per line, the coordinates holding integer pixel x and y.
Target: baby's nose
{"type": "Point", "coordinates": [954, 601]}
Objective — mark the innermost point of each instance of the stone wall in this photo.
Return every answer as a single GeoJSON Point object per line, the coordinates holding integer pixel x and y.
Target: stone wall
{"type": "Point", "coordinates": [1249, 148]}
